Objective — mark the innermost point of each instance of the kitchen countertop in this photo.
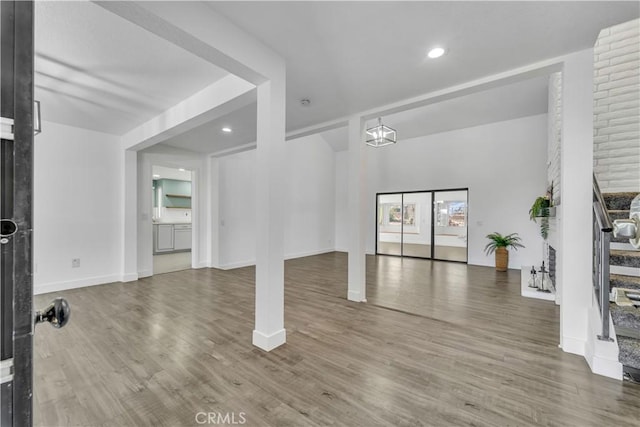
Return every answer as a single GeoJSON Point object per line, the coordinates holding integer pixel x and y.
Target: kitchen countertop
{"type": "Point", "coordinates": [171, 222]}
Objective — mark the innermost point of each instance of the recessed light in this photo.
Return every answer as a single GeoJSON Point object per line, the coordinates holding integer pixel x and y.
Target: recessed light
{"type": "Point", "coordinates": [436, 52]}
{"type": "Point", "coordinates": [226, 129]}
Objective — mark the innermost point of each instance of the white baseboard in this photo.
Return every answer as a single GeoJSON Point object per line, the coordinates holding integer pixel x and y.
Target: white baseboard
{"type": "Point", "coordinates": [355, 296]}
{"type": "Point", "coordinates": [74, 284]}
{"type": "Point", "coordinates": [251, 262]}
{"type": "Point", "coordinates": [602, 356]}
{"type": "Point", "coordinates": [573, 345]}
{"type": "Point", "coordinates": [308, 253]}
{"type": "Point", "coordinates": [240, 264]}
{"type": "Point", "coordinates": [145, 273]}
{"type": "Point", "coordinates": [130, 277]}
{"type": "Point", "coordinates": [202, 264]}
{"type": "Point", "coordinates": [271, 341]}
{"type": "Point", "coordinates": [604, 366]}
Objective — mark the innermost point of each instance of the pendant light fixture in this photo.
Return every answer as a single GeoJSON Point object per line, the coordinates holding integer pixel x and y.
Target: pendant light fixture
{"type": "Point", "coordinates": [381, 135]}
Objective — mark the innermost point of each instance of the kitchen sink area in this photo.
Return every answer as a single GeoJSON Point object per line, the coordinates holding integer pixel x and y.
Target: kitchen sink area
{"type": "Point", "coordinates": [171, 237]}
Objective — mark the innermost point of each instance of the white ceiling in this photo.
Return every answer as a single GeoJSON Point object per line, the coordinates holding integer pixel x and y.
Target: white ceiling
{"type": "Point", "coordinates": [209, 138]}
{"type": "Point", "coordinates": [97, 71]}
{"type": "Point", "coordinates": [348, 57]}
{"type": "Point", "coordinates": [507, 102]}
{"type": "Point", "coordinates": [162, 172]}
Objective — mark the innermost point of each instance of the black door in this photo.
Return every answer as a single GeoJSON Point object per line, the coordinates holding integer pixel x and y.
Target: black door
{"type": "Point", "coordinates": [16, 192]}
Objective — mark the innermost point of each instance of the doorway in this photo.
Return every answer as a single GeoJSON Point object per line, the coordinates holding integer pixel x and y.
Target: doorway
{"type": "Point", "coordinates": [172, 226]}
{"type": "Point", "coordinates": [430, 224]}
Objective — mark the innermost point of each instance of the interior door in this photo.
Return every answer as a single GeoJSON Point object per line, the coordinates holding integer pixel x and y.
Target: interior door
{"type": "Point", "coordinates": [16, 99]}
{"type": "Point", "coordinates": [16, 191]}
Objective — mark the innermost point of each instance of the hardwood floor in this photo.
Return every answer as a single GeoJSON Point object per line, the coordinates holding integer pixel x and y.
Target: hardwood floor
{"type": "Point", "coordinates": [449, 253]}
{"type": "Point", "coordinates": [168, 263]}
{"type": "Point", "coordinates": [438, 344]}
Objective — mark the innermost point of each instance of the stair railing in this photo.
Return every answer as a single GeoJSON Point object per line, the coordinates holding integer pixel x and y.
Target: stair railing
{"type": "Point", "coordinates": [602, 228]}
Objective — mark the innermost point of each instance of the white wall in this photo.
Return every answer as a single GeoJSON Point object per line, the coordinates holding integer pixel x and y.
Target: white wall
{"type": "Point", "coordinates": [308, 211]}
{"type": "Point", "coordinates": [77, 208]}
{"type": "Point", "coordinates": [503, 164]}
{"type": "Point", "coordinates": [616, 112]}
{"type": "Point", "coordinates": [310, 200]}
{"type": "Point", "coordinates": [341, 199]}
{"type": "Point", "coordinates": [237, 207]}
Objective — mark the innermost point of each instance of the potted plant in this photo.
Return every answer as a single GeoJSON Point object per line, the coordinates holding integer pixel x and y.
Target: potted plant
{"type": "Point", "coordinates": [500, 245]}
{"type": "Point", "coordinates": [543, 208]}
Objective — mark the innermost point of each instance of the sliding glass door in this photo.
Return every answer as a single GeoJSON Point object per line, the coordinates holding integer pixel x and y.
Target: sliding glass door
{"type": "Point", "coordinates": [424, 224]}
{"type": "Point", "coordinates": [416, 233]}
{"type": "Point", "coordinates": [450, 225]}
{"type": "Point", "coordinates": [389, 224]}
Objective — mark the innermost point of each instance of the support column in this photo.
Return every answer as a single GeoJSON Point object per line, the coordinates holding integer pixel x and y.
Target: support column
{"type": "Point", "coordinates": [130, 215]}
{"type": "Point", "coordinates": [357, 210]}
{"type": "Point", "coordinates": [269, 331]}
{"type": "Point", "coordinates": [577, 196]}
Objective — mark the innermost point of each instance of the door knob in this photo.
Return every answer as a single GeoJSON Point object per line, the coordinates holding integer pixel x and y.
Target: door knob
{"type": "Point", "coordinates": [57, 313]}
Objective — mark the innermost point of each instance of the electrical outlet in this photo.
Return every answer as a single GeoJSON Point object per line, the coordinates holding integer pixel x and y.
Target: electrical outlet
{"type": "Point", "coordinates": [75, 263]}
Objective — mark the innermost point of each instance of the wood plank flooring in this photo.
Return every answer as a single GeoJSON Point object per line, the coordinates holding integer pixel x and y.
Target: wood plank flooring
{"type": "Point", "coordinates": [438, 344]}
{"type": "Point", "coordinates": [450, 253]}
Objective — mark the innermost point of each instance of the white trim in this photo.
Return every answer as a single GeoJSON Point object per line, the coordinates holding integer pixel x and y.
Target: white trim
{"type": "Point", "coordinates": [145, 273]}
{"type": "Point", "coordinates": [202, 264]}
{"type": "Point", "coordinates": [240, 264]}
{"type": "Point", "coordinates": [74, 284]}
{"type": "Point", "coordinates": [130, 277]}
{"type": "Point", "coordinates": [233, 150]}
{"type": "Point", "coordinates": [622, 246]}
{"type": "Point", "coordinates": [269, 342]}
{"type": "Point", "coordinates": [250, 262]}
{"type": "Point", "coordinates": [624, 270]}
{"type": "Point", "coordinates": [355, 296]}
{"type": "Point", "coordinates": [309, 253]}
{"type": "Point", "coordinates": [573, 345]}
{"type": "Point", "coordinates": [602, 356]}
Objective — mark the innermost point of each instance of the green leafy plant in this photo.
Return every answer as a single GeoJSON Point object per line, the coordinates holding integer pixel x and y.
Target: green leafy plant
{"type": "Point", "coordinates": [540, 209]}
{"type": "Point", "coordinates": [497, 240]}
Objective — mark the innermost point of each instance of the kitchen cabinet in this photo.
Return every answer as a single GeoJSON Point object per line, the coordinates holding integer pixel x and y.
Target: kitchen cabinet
{"type": "Point", "coordinates": [171, 238]}
{"type": "Point", "coordinates": [181, 237]}
{"type": "Point", "coordinates": [163, 237]}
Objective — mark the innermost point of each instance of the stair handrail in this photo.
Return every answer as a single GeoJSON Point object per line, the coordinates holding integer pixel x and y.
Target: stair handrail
{"type": "Point", "coordinates": [602, 229]}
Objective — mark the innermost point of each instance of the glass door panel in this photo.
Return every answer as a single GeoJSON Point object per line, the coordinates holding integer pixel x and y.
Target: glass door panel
{"type": "Point", "coordinates": [416, 225]}
{"type": "Point", "coordinates": [389, 239]}
{"type": "Point", "coordinates": [450, 225]}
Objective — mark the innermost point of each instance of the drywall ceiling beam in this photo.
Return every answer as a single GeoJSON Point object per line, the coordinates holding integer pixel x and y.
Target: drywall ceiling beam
{"type": "Point", "coordinates": [199, 29]}
{"type": "Point", "coordinates": [496, 80]}
{"type": "Point", "coordinates": [222, 97]}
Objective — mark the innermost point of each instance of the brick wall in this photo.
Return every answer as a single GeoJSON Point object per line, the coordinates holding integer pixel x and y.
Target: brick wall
{"type": "Point", "coordinates": [554, 139]}
{"type": "Point", "coordinates": [617, 107]}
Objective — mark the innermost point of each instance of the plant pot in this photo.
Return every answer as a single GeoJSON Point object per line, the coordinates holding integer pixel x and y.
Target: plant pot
{"type": "Point", "coordinates": [502, 259]}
